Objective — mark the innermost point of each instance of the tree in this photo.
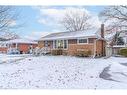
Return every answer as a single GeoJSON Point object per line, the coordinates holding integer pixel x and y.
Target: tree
{"type": "Point", "coordinates": [117, 40]}
{"type": "Point", "coordinates": [76, 20]}
{"type": "Point", "coordinates": [116, 16]}
{"type": "Point", "coordinates": [120, 41]}
{"type": "Point", "coordinates": [8, 15]}
{"type": "Point", "coordinates": [8, 36]}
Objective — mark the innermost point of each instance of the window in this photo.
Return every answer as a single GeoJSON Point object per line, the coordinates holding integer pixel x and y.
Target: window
{"type": "Point", "coordinates": [60, 44]}
{"type": "Point", "coordinates": [55, 44]}
{"type": "Point", "coordinates": [46, 43]}
{"type": "Point", "coordinates": [65, 44]}
{"type": "Point", "coordinates": [82, 41]}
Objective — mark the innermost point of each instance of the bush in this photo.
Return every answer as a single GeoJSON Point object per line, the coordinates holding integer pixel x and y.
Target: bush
{"type": "Point", "coordinates": [64, 52]}
{"type": "Point", "coordinates": [83, 53]}
{"type": "Point", "coordinates": [57, 52]}
{"type": "Point", "coordinates": [123, 52]}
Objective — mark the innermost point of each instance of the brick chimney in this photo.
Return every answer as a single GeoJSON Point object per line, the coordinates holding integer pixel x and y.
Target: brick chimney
{"type": "Point", "coordinates": [102, 30]}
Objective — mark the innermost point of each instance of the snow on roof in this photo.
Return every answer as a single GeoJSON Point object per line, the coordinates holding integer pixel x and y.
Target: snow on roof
{"type": "Point", "coordinates": [71, 35]}
{"type": "Point", "coordinates": [5, 35]}
{"type": "Point", "coordinates": [26, 41]}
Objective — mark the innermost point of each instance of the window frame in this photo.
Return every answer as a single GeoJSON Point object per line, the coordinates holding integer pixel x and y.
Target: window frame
{"type": "Point", "coordinates": [82, 39]}
{"type": "Point", "coordinates": [55, 42]}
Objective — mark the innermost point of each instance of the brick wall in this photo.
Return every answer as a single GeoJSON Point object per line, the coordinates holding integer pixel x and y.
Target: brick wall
{"type": "Point", "coordinates": [73, 47]}
{"type": "Point", "coordinates": [99, 48]}
{"type": "Point", "coordinates": [25, 47]}
{"type": "Point", "coordinates": [40, 44]}
{"type": "Point", "coordinates": [3, 49]}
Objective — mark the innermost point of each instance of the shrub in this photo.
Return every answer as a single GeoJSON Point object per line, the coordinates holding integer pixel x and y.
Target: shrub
{"type": "Point", "coordinates": [64, 52]}
{"type": "Point", "coordinates": [83, 53]}
{"type": "Point", "coordinates": [57, 52]}
{"type": "Point", "coordinates": [123, 52]}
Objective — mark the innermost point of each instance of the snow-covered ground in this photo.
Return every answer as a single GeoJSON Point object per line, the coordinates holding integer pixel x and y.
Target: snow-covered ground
{"type": "Point", "coordinates": [55, 72]}
{"type": "Point", "coordinates": [4, 58]}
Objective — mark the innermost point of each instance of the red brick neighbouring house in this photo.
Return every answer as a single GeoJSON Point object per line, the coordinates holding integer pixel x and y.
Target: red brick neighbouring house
{"type": "Point", "coordinates": [21, 45]}
{"type": "Point", "coordinates": [72, 42]}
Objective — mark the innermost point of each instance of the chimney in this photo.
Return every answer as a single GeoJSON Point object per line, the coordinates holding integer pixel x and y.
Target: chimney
{"type": "Point", "coordinates": [102, 30]}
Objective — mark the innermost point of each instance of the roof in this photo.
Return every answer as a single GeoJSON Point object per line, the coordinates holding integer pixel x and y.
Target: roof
{"type": "Point", "coordinates": [71, 35]}
{"type": "Point", "coordinates": [26, 41]}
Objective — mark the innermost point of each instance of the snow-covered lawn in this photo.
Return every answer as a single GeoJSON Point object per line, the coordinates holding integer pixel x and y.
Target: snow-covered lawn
{"type": "Point", "coordinates": [64, 72]}
{"type": "Point", "coordinates": [4, 58]}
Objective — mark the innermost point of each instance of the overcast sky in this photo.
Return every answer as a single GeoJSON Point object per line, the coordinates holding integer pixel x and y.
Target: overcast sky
{"type": "Point", "coordinates": [40, 20]}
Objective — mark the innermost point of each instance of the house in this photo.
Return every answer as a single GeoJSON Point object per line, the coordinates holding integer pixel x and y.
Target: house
{"type": "Point", "coordinates": [115, 48]}
{"type": "Point", "coordinates": [72, 42]}
{"type": "Point", "coordinates": [17, 46]}
{"type": "Point", "coordinates": [3, 47]}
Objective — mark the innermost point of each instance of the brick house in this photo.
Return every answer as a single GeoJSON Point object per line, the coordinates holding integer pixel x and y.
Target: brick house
{"type": "Point", "coordinates": [3, 47]}
{"type": "Point", "coordinates": [19, 45]}
{"type": "Point", "coordinates": [72, 42]}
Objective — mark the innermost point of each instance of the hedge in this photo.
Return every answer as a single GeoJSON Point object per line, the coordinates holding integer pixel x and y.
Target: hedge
{"type": "Point", "coordinates": [83, 53]}
{"type": "Point", "coordinates": [123, 52]}
{"type": "Point", "coordinates": [57, 52]}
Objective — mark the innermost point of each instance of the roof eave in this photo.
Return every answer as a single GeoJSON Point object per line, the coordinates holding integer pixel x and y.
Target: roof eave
{"type": "Point", "coordinates": [43, 39]}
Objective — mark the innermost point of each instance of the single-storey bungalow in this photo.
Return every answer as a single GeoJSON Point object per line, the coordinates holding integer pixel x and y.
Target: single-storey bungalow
{"type": "Point", "coordinates": [17, 46]}
{"type": "Point", "coordinates": [72, 42]}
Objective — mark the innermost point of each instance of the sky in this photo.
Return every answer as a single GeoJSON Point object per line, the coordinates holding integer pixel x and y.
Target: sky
{"type": "Point", "coordinates": [37, 21]}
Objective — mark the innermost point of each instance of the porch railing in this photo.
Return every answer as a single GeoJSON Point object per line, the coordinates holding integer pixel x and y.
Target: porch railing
{"type": "Point", "coordinates": [41, 51]}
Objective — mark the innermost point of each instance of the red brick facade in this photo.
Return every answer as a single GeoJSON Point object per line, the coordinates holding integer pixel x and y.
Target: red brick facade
{"type": "Point", "coordinates": [24, 48]}
{"type": "Point", "coordinates": [3, 49]}
{"type": "Point", "coordinates": [73, 46]}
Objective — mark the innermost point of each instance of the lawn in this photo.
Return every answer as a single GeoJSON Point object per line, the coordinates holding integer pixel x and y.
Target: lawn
{"type": "Point", "coordinates": [63, 72]}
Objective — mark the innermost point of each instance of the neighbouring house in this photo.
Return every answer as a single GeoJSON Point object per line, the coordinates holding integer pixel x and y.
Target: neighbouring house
{"type": "Point", "coordinates": [3, 47]}
{"type": "Point", "coordinates": [115, 48]}
{"type": "Point", "coordinates": [72, 42]}
{"type": "Point", "coordinates": [19, 46]}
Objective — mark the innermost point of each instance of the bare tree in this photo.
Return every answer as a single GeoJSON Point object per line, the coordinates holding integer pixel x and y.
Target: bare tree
{"type": "Point", "coordinates": [8, 36]}
{"type": "Point", "coordinates": [8, 15]}
{"type": "Point", "coordinates": [116, 15]}
{"type": "Point", "coordinates": [8, 18]}
{"type": "Point", "coordinates": [76, 21]}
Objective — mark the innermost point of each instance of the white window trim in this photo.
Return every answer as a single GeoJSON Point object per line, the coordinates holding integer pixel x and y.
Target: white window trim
{"type": "Point", "coordinates": [63, 44]}
{"type": "Point", "coordinates": [82, 43]}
